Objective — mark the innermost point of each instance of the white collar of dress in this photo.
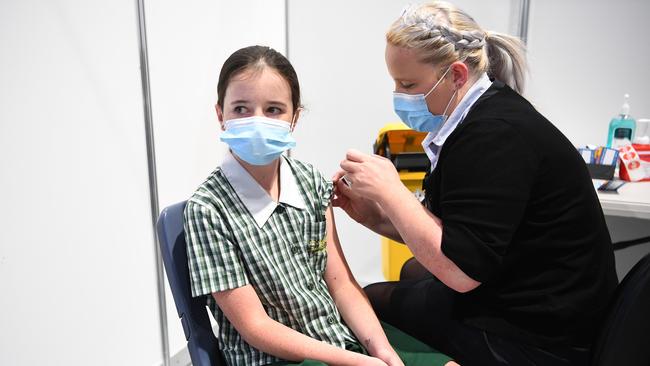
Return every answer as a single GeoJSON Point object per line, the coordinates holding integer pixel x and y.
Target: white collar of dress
{"type": "Point", "coordinates": [254, 197]}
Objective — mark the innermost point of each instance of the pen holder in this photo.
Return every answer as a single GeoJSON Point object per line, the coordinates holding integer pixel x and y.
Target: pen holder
{"type": "Point", "coordinates": [599, 171]}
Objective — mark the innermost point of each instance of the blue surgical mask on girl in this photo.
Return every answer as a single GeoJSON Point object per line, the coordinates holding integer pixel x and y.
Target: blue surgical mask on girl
{"type": "Point", "coordinates": [258, 140]}
{"type": "Point", "coordinates": [412, 109]}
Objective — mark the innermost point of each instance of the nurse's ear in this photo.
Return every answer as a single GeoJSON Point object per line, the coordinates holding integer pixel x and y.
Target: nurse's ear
{"type": "Point", "coordinates": [459, 74]}
{"type": "Point", "coordinates": [217, 107]}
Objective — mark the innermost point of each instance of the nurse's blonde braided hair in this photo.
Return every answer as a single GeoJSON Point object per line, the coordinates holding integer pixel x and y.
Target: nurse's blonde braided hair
{"type": "Point", "coordinates": [444, 34]}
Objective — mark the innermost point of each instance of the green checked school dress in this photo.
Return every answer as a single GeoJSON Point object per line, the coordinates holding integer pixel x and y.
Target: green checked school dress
{"type": "Point", "coordinates": [237, 236]}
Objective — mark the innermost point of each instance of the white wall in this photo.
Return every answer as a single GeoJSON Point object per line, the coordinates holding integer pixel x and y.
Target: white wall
{"type": "Point", "coordinates": [584, 55]}
{"type": "Point", "coordinates": [76, 248]}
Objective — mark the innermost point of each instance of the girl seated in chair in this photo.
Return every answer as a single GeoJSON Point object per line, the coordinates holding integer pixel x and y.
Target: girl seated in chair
{"type": "Point", "coordinates": [261, 239]}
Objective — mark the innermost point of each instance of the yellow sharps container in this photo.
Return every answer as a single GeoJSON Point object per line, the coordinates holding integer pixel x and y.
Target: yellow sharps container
{"type": "Point", "coordinates": [403, 146]}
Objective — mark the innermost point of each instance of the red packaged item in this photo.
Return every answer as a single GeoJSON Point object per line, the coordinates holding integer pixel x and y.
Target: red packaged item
{"type": "Point", "coordinates": [635, 163]}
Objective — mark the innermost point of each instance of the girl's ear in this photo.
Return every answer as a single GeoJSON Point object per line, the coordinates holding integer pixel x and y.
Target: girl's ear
{"type": "Point", "coordinates": [296, 116]}
{"type": "Point", "coordinates": [220, 116]}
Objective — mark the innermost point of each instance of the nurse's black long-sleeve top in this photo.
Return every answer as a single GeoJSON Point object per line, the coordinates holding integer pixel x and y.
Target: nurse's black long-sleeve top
{"type": "Point", "coordinates": [520, 215]}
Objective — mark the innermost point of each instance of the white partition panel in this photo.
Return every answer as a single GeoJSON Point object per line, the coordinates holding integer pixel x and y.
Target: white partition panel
{"type": "Point", "coordinates": [77, 277]}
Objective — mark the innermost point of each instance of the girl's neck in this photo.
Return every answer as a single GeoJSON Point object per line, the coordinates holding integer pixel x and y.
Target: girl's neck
{"type": "Point", "coordinates": [267, 176]}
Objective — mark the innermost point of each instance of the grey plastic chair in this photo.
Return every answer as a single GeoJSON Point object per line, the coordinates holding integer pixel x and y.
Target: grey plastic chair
{"type": "Point", "coordinates": [201, 342]}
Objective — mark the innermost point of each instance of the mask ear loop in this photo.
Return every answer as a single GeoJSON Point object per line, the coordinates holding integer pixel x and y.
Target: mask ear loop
{"type": "Point", "coordinates": [292, 127]}
{"type": "Point", "coordinates": [443, 76]}
{"type": "Point", "coordinates": [439, 81]}
{"type": "Point", "coordinates": [444, 113]}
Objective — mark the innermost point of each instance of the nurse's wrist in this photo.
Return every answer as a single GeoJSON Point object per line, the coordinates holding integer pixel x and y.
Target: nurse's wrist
{"type": "Point", "coordinates": [390, 197]}
{"type": "Point", "coordinates": [372, 219]}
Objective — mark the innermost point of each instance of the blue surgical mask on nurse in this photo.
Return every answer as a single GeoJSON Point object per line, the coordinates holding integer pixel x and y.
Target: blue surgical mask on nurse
{"type": "Point", "coordinates": [412, 109]}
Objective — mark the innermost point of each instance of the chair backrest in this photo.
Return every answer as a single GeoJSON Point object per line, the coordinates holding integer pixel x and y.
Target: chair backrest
{"type": "Point", "coordinates": [624, 338]}
{"type": "Point", "coordinates": [201, 342]}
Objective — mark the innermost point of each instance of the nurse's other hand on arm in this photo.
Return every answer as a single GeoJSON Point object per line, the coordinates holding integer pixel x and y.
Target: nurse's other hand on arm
{"type": "Point", "coordinates": [362, 210]}
{"type": "Point", "coordinates": [244, 310]}
{"type": "Point", "coordinates": [375, 178]}
{"type": "Point", "coordinates": [359, 209]}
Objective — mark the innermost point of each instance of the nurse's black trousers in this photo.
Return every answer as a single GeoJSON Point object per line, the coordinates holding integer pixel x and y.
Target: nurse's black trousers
{"type": "Point", "coordinates": [421, 305]}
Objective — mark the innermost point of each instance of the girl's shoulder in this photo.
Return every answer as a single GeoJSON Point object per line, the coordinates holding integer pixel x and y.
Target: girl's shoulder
{"type": "Point", "coordinates": [213, 192]}
{"type": "Point", "coordinates": [316, 189]}
{"type": "Point", "coordinates": [304, 171]}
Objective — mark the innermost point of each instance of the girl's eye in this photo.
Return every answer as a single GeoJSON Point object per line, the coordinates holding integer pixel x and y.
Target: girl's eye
{"type": "Point", "coordinates": [274, 110]}
{"type": "Point", "coordinates": [239, 109]}
{"type": "Point", "coordinates": [408, 86]}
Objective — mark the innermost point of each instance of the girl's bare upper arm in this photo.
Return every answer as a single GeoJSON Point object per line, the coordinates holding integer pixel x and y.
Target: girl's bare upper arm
{"type": "Point", "coordinates": [337, 272]}
{"type": "Point", "coordinates": [241, 306]}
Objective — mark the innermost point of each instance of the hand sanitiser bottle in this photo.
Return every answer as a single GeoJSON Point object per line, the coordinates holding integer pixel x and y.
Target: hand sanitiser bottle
{"type": "Point", "coordinates": [621, 127]}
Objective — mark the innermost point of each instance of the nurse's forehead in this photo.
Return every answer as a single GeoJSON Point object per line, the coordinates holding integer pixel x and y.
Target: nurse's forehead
{"type": "Point", "coordinates": [402, 55]}
{"type": "Point", "coordinates": [404, 63]}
